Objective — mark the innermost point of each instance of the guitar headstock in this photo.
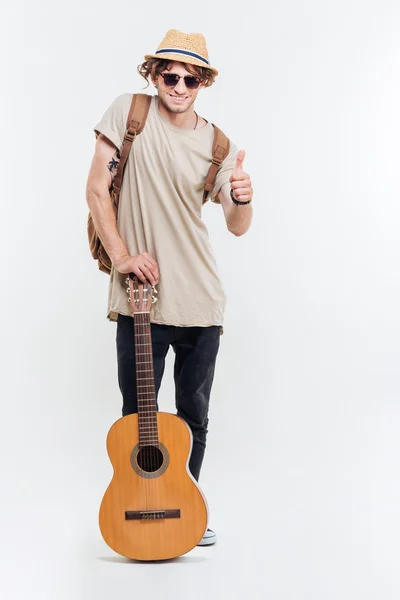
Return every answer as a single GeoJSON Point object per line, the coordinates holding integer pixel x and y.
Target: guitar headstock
{"type": "Point", "coordinates": [140, 295]}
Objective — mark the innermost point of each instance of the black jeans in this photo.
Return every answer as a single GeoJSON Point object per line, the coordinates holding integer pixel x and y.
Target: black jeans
{"type": "Point", "coordinates": [196, 350]}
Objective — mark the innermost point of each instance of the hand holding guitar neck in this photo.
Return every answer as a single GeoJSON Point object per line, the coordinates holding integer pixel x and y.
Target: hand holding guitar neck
{"type": "Point", "coordinates": [142, 265]}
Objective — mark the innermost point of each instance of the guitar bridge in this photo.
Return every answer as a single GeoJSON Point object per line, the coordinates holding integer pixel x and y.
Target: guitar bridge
{"type": "Point", "coordinates": [152, 515]}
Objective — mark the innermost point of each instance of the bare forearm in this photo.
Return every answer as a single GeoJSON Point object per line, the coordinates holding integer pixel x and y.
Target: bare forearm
{"type": "Point", "coordinates": [101, 208]}
{"type": "Point", "coordinates": [239, 218]}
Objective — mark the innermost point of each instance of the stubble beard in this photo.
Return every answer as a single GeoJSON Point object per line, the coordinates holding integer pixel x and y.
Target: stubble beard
{"type": "Point", "coordinates": [176, 109]}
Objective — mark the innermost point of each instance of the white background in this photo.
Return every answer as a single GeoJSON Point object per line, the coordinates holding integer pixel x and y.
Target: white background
{"type": "Point", "coordinates": [302, 468]}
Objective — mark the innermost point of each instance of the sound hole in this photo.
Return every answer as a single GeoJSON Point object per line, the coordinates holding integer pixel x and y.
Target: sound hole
{"type": "Point", "coordinates": [150, 459]}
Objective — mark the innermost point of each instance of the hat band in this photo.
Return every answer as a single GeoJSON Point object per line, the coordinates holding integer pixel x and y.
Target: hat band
{"type": "Point", "coordinates": [184, 52]}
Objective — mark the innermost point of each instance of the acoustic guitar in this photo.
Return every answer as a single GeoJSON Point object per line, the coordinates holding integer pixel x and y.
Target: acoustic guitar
{"type": "Point", "coordinates": [153, 508]}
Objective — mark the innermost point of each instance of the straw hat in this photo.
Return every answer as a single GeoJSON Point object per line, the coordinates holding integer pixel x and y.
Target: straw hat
{"type": "Point", "coordinates": [184, 47]}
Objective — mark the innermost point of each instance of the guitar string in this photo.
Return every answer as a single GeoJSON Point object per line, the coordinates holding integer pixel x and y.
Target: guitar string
{"type": "Point", "coordinates": [141, 416]}
{"type": "Point", "coordinates": [149, 354]}
{"type": "Point", "coordinates": [151, 431]}
{"type": "Point", "coordinates": [154, 428]}
{"type": "Point", "coordinates": [143, 494]}
{"type": "Point", "coordinates": [143, 431]}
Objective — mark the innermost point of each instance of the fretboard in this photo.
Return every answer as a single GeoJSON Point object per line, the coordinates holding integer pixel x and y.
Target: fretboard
{"type": "Point", "coordinates": [147, 413]}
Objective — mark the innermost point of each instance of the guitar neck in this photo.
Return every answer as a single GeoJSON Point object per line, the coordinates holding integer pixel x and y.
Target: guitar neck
{"type": "Point", "coordinates": [146, 394]}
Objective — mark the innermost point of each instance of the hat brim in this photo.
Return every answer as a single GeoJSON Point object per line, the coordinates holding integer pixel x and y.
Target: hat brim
{"type": "Point", "coordinates": [179, 58]}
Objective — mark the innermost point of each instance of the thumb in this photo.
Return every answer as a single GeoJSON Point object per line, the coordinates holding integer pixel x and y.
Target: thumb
{"type": "Point", "coordinates": [239, 160]}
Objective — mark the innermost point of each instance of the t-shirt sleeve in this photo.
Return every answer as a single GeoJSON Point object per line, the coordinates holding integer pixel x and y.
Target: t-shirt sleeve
{"type": "Point", "coordinates": [113, 122]}
{"type": "Point", "coordinates": [224, 172]}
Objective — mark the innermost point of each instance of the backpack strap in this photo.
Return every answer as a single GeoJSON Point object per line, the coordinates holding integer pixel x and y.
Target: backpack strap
{"type": "Point", "coordinates": [220, 151]}
{"type": "Point", "coordinates": [135, 123]}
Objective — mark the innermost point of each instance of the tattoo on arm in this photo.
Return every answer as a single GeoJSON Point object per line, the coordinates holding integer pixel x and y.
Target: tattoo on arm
{"type": "Point", "coordinates": [113, 165]}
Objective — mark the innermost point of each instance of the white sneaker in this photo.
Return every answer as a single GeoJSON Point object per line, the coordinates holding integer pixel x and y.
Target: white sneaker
{"type": "Point", "coordinates": [208, 538]}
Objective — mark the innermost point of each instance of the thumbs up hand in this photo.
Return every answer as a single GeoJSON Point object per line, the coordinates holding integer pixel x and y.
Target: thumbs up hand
{"type": "Point", "coordinates": [240, 181]}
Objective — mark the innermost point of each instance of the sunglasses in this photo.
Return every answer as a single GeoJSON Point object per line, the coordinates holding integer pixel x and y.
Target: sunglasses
{"type": "Point", "coordinates": [172, 79]}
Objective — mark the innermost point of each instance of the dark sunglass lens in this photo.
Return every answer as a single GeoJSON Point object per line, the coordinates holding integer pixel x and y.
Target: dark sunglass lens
{"type": "Point", "coordinates": [171, 80]}
{"type": "Point", "coordinates": [192, 83]}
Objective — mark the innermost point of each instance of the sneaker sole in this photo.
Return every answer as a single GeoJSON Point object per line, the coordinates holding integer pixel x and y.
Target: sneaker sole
{"type": "Point", "coordinates": [208, 541]}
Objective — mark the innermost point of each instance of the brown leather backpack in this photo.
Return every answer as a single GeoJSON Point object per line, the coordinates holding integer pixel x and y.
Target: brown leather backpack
{"type": "Point", "coordinates": [135, 123]}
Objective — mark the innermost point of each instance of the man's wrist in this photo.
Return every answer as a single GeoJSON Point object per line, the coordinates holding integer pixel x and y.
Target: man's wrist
{"type": "Point", "coordinates": [238, 202]}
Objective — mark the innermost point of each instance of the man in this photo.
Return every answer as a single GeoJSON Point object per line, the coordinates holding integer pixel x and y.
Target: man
{"type": "Point", "coordinates": [159, 234]}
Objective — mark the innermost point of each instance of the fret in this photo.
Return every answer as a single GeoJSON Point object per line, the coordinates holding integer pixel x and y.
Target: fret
{"type": "Point", "coordinates": [149, 443]}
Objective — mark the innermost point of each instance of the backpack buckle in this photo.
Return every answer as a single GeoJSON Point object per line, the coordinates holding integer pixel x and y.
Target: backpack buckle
{"type": "Point", "coordinates": [130, 136]}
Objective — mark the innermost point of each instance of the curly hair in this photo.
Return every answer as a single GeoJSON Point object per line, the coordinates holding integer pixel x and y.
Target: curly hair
{"type": "Point", "coordinates": [153, 67]}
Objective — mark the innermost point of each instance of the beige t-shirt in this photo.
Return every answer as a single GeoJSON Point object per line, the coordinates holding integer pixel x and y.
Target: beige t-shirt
{"type": "Point", "coordinates": [159, 212]}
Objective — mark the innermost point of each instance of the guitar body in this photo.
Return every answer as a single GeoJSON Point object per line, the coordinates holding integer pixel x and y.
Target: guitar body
{"type": "Point", "coordinates": [153, 508]}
